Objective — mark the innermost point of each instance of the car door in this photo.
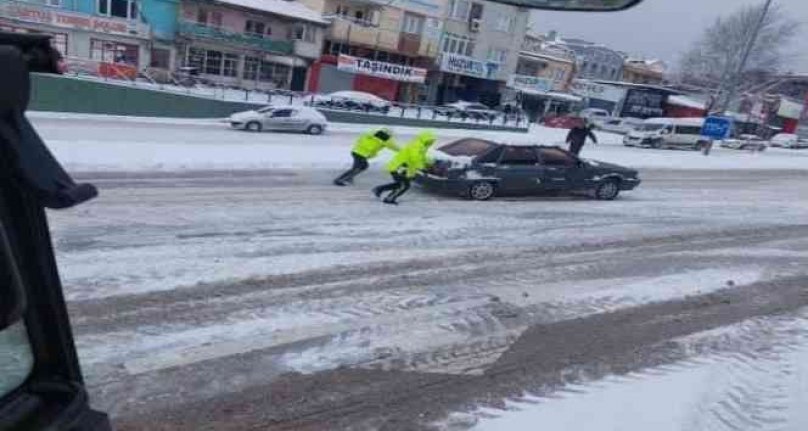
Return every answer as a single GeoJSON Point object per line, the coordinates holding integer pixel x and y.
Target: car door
{"type": "Point", "coordinates": [296, 120]}
{"type": "Point", "coordinates": [560, 169]}
{"type": "Point", "coordinates": [280, 119]}
{"type": "Point", "coordinates": [519, 170]}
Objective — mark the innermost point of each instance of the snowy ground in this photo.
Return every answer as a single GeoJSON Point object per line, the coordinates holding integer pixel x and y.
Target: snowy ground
{"type": "Point", "coordinates": [92, 143]}
{"type": "Point", "coordinates": [215, 263]}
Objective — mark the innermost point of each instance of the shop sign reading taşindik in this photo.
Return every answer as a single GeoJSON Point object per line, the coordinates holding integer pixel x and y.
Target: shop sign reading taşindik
{"type": "Point", "coordinates": [381, 69]}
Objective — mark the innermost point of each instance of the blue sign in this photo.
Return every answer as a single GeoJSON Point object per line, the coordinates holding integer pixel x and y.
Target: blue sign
{"type": "Point", "coordinates": [716, 128]}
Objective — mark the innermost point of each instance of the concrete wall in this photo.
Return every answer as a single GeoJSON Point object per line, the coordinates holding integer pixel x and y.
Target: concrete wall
{"type": "Point", "coordinates": [64, 94]}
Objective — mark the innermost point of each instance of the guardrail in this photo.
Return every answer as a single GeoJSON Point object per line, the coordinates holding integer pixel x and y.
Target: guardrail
{"type": "Point", "coordinates": [515, 118]}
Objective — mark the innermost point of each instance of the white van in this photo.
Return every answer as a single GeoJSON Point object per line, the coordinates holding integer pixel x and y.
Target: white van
{"type": "Point", "coordinates": [678, 133]}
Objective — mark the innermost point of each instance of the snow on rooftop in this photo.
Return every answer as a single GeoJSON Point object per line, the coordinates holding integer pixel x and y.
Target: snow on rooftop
{"type": "Point", "coordinates": [287, 8]}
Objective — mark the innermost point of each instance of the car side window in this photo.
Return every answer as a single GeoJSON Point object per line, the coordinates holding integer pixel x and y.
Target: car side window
{"type": "Point", "coordinates": [556, 157]}
{"type": "Point", "coordinates": [519, 156]}
{"type": "Point", "coordinates": [491, 156]}
{"type": "Point", "coordinates": [688, 130]}
{"type": "Point", "coordinates": [283, 113]}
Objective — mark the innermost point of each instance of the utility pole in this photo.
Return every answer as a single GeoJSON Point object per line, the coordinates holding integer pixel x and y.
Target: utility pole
{"type": "Point", "coordinates": [735, 78]}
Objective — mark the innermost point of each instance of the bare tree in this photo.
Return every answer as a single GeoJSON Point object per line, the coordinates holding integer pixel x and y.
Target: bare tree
{"type": "Point", "coordinates": [716, 56]}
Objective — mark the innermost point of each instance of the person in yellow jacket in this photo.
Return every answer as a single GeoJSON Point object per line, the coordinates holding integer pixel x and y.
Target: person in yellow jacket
{"type": "Point", "coordinates": [367, 147]}
{"type": "Point", "coordinates": [405, 165]}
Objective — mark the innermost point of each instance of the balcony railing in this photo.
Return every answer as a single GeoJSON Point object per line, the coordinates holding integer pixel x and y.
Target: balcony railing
{"type": "Point", "coordinates": [192, 29]}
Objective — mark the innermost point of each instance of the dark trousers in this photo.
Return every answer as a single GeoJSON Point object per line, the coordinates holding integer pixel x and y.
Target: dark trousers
{"type": "Point", "coordinates": [575, 147]}
{"type": "Point", "coordinates": [398, 187]}
{"type": "Point", "coordinates": [359, 164]}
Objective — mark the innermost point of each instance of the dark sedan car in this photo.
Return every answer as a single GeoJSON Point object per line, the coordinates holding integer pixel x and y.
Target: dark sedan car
{"type": "Point", "coordinates": [480, 169]}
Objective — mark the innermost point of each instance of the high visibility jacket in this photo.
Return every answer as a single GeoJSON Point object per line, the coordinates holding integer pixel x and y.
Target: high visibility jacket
{"type": "Point", "coordinates": [413, 157]}
{"type": "Point", "coordinates": [368, 145]}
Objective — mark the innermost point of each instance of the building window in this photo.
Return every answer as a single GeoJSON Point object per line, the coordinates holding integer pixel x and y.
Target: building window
{"type": "Point", "coordinates": [460, 9]}
{"type": "Point", "coordinates": [476, 11]}
{"type": "Point", "coordinates": [209, 18]}
{"type": "Point", "coordinates": [213, 62]}
{"type": "Point", "coordinates": [118, 8]}
{"type": "Point", "coordinates": [497, 55]}
{"type": "Point", "coordinates": [230, 65]}
{"type": "Point", "coordinates": [412, 24]}
{"type": "Point", "coordinates": [255, 28]}
{"type": "Point", "coordinates": [272, 72]}
{"type": "Point", "coordinates": [303, 32]}
{"type": "Point", "coordinates": [504, 23]}
{"type": "Point", "coordinates": [113, 52]}
{"type": "Point", "coordinates": [251, 66]}
{"type": "Point", "coordinates": [195, 58]}
{"type": "Point", "coordinates": [458, 45]}
{"type": "Point", "coordinates": [54, 3]}
{"type": "Point", "coordinates": [160, 58]}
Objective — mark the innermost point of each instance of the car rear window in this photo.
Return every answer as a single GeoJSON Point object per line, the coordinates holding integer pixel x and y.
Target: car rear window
{"type": "Point", "coordinates": [468, 147]}
{"type": "Point", "coordinates": [556, 157]}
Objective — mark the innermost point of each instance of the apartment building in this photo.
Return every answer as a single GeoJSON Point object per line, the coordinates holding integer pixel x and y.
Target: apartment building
{"type": "Point", "coordinates": [111, 37]}
{"type": "Point", "coordinates": [596, 62]}
{"type": "Point", "coordinates": [384, 48]}
{"type": "Point", "coordinates": [641, 71]}
{"type": "Point", "coordinates": [254, 44]}
{"type": "Point", "coordinates": [479, 50]}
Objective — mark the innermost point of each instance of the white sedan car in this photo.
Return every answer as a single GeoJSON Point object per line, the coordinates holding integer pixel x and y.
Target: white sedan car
{"type": "Point", "coordinates": [788, 140]}
{"type": "Point", "coordinates": [350, 100]}
{"type": "Point", "coordinates": [280, 118]}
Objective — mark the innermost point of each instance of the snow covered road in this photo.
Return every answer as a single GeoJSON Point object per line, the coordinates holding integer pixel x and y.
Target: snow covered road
{"type": "Point", "coordinates": [251, 298]}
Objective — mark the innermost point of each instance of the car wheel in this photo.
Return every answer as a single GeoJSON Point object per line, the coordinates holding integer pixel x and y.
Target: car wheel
{"type": "Point", "coordinates": [253, 126]}
{"type": "Point", "coordinates": [314, 129]}
{"type": "Point", "coordinates": [607, 190]}
{"type": "Point", "coordinates": [481, 191]}
{"type": "Point", "coordinates": [656, 144]}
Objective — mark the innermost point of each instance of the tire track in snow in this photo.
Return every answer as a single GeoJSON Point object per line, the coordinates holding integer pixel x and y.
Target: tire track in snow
{"type": "Point", "coordinates": [750, 380]}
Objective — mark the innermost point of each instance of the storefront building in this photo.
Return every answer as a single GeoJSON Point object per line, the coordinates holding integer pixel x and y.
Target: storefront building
{"type": "Point", "coordinates": [108, 37]}
{"type": "Point", "coordinates": [644, 71]}
{"type": "Point", "coordinates": [251, 45]}
{"type": "Point", "coordinates": [598, 95]}
{"type": "Point", "coordinates": [380, 49]}
{"type": "Point", "coordinates": [539, 98]}
{"type": "Point", "coordinates": [542, 80]}
{"type": "Point", "coordinates": [479, 52]}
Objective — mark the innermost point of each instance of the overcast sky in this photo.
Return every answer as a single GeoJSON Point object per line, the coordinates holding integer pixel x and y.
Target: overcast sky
{"type": "Point", "coordinates": [661, 28]}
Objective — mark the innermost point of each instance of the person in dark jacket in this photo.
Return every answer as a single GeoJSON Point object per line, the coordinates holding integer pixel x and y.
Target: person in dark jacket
{"type": "Point", "coordinates": [576, 138]}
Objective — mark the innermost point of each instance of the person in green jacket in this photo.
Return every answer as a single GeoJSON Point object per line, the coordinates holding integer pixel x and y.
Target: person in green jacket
{"type": "Point", "coordinates": [367, 147]}
{"type": "Point", "coordinates": [405, 165]}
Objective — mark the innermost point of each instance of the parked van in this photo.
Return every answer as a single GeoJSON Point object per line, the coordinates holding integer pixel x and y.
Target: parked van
{"type": "Point", "coordinates": [677, 133]}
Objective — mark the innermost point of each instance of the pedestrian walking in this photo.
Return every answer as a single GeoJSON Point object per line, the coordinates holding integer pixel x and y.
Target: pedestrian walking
{"type": "Point", "coordinates": [405, 165]}
{"type": "Point", "coordinates": [367, 147]}
{"type": "Point", "coordinates": [576, 138]}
